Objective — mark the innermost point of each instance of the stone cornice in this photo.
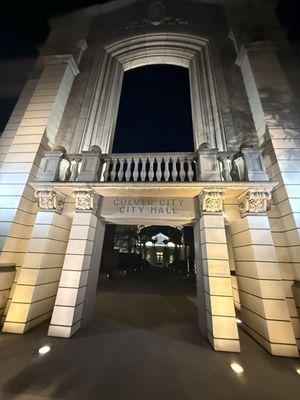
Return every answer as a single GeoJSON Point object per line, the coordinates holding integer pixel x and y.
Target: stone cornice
{"type": "Point", "coordinates": [251, 47]}
{"type": "Point", "coordinates": [166, 189]}
{"type": "Point", "coordinates": [61, 59]}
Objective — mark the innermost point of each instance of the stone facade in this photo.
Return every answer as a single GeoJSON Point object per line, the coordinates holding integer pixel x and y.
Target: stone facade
{"type": "Point", "coordinates": [245, 192]}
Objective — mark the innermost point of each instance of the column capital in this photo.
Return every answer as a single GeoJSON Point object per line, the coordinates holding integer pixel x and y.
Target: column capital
{"type": "Point", "coordinates": [86, 200]}
{"type": "Point", "coordinates": [50, 200]}
{"type": "Point", "coordinates": [211, 201]}
{"type": "Point", "coordinates": [262, 46]}
{"type": "Point", "coordinates": [254, 202]}
{"type": "Point", "coordinates": [61, 59]}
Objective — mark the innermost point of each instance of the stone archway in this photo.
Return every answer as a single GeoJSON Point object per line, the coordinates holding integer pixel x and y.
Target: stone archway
{"type": "Point", "coordinates": [179, 49]}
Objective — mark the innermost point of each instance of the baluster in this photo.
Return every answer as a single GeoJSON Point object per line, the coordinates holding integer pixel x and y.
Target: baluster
{"type": "Point", "coordinates": [190, 172]}
{"type": "Point", "coordinates": [226, 164]}
{"type": "Point", "coordinates": [158, 171]}
{"type": "Point", "coordinates": [167, 169]}
{"type": "Point", "coordinates": [121, 169]}
{"type": "Point", "coordinates": [181, 169]}
{"type": "Point", "coordinates": [74, 170]}
{"type": "Point", "coordinates": [228, 169]}
{"type": "Point", "coordinates": [173, 168]}
{"type": "Point", "coordinates": [143, 170]}
{"type": "Point", "coordinates": [128, 170]}
{"type": "Point", "coordinates": [113, 171]}
{"type": "Point", "coordinates": [106, 171]}
{"type": "Point", "coordinates": [135, 173]}
{"type": "Point", "coordinates": [103, 170]}
{"type": "Point", "coordinates": [151, 168]}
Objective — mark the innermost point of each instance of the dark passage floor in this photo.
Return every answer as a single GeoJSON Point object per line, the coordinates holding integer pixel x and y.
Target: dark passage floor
{"type": "Point", "coordinates": [142, 344]}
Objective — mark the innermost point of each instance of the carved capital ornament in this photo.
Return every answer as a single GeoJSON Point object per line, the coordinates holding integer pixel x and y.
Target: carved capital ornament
{"type": "Point", "coordinates": [254, 202]}
{"type": "Point", "coordinates": [211, 201]}
{"type": "Point", "coordinates": [85, 200]}
{"type": "Point", "coordinates": [50, 200]}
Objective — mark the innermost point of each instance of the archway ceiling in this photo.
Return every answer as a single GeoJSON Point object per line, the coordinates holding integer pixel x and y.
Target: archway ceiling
{"type": "Point", "coordinates": [157, 48]}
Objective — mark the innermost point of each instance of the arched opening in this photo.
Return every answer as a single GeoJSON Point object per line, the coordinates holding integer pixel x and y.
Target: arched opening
{"type": "Point", "coordinates": [155, 111]}
{"type": "Point", "coordinates": [191, 52]}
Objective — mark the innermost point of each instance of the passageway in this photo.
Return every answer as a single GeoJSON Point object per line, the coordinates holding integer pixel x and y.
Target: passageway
{"type": "Point", "coordinates": [157, 300]}
{"type": "Point", "coordinates": [143, 342]}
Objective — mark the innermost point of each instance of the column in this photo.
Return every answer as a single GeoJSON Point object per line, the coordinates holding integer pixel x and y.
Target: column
{"type": "Point", "coordinates": [15, 118]}
{"type": "Point", "coordinates": [78, 283]}
{"type": "Point", "coordinates": [36, 132]}
{"type": "Point", "coordinates": [7, 274]}
{"type": "Point", "coordinates": [264, 308]}
{"type": "Point", "coordinates": [34, 295]}
{"type": "Point", "coordinates": [275, 112]}
{"type": "Point", "coordinates": [213, 275]}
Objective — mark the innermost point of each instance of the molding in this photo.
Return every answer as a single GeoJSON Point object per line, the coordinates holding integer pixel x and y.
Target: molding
{"type": "Point", "coordinates": [211, 201]}
{"type": "Point", "coordinates": [86, 200]}
{"type": "Point", "coordinates": [254, 202]}
{"type": "Point", "coordinates": [190, 51]}
{"type": "Point", "coordinates": [50, 200]}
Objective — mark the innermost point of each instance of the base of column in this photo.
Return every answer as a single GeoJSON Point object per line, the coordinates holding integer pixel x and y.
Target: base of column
{"type": "Point", "coordinates": [228, 345]}
{"type": "Point", "coordinates": [276, 349]}
{"type": "Point", "coordinates": [63, 331]}
{"type": "Point", "coordinates": [22, 327]}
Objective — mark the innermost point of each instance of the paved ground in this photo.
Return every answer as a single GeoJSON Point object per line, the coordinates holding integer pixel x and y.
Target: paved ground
{"type": "Point", "coordinates": [142, 344]}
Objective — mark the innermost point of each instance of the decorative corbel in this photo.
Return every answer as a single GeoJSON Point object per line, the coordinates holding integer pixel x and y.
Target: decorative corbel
{"type": "Point", "coordinates": [211, 201]}
{"type": "Point", "coordinates": [254, 202]}
{"type": "Point", "coordinates": [86, 200]}
{"type": "Point", "coordinates": [50, 200]}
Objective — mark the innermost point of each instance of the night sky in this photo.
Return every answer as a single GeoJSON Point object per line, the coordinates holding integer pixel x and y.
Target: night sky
{"type": "Point", "coordinates": [154, 112]}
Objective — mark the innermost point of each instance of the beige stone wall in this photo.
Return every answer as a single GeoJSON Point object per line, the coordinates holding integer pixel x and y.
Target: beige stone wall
{"type": "Point", "coordinates": [263, 304]}
{"type": "Point", "coordinates": [7, 274]}
{"type": "Point", "coordinates": [35, 291]}
{"type": "Point", "coordinates": [78, 282]}
{"type": "Point", "coordinates": [276, 115]}
{"type": "Point", "coordinates": [40, 115]}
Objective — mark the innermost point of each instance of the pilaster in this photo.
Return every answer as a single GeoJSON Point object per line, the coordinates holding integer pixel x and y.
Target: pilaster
{"type": "Point", "coordinates": [264, 308]}
{"type": "Point", "coordinates": [213, 275]}
{"type": "Point", "coordinates": [35, 291]}
{"type": "Point", "coordinates": [78, 283]}
{"type": "Point", "coordinates": [35, 133]}
{"type": "Point", "coordinates": [276, 115]}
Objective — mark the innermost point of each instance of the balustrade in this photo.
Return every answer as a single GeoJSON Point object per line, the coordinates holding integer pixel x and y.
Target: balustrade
{"type": "Point", "coordinates": [152, 167]}
{"type": "Point", "coordinates": [204, 165]}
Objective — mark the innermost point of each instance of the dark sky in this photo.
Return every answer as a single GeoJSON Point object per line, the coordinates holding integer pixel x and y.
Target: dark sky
{"type": "Point", "coordinates": [155, 111]}
{"type": "Point", "coordinates": [154, 102]}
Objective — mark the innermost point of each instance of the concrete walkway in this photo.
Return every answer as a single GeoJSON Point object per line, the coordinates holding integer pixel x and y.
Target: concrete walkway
{"type": "Point", "coordinates": [143, 344]}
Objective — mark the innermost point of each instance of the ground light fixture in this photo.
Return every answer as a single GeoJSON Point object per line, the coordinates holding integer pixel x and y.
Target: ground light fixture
{"type": "Point", "coordinates": [298, 371]}
{"type": "Point", "coordinates": [44, 349]}
{"type": "Point", "coordinates": [237, 368]}
{"type": "Point", "coordinates": [238, 321]}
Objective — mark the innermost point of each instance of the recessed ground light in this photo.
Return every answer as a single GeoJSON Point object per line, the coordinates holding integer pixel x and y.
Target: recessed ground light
{"type": "Point", "coordinates": [238, 321]}
{"type": "Point", "coordinates": [44, 349]}
{"type": "Point", "coordinates": [237, 368]}
{"type": "Point", "coordinates": [298, 371]}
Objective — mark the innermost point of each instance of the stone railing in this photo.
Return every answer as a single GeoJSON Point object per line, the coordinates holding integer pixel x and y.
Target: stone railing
{"type": "Point", "coordinates": [168, 167]}
{"type": "Point", "coordinates": [203, 165]}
